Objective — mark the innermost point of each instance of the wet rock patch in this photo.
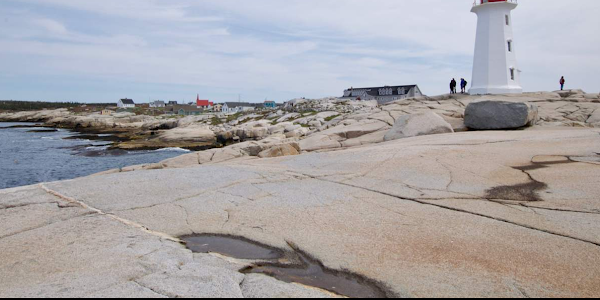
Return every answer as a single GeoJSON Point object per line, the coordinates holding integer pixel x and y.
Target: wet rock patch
{"type": "Point", "coordinates": [275, 263]}
{"type": "Point", "coordinates": [528, 192]}
{"type": "Point", "coordinates": [233, 247]}
{"type": "Point", "coordinates": [312, 273]}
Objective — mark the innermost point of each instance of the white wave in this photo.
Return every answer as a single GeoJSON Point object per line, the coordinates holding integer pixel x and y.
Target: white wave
{"type": "Point", "coordinates": [173, 149]}
{"type": "Point", "coordinates": [97, 148]}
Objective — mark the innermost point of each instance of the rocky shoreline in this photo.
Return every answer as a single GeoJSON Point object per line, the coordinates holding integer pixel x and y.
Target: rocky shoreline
{"type": "Point", "coordinates": [326, 123]}
{"type": "Point", "coordinates": [410, 197]}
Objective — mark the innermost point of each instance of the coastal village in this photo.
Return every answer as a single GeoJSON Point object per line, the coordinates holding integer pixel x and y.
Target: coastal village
{"type": "Point", "coordinates": [381, 95]}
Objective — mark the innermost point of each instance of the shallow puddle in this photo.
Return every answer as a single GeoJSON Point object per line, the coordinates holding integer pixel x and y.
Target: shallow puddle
{"type": "Point", "coordinates": [558, 160]}
{"type": "Point", "coordinates": [232, 247]}
{"type": "Point", "coordinates": [312, 273]}
{"type": "Point", "coordinates": [306, 270]}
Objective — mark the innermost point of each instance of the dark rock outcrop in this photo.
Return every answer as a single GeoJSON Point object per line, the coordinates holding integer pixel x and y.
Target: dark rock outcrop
{"type": "Point", "coordinates": [496, 115]}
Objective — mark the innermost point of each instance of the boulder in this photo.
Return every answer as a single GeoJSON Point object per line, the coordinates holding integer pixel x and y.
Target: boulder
{"type": "Point", "coordinates": [302, 131]}
{"type": "Point", "coordinates": [276, 129]}
{"type": "Point", "coordinates": [327, 114]}
{"type": "Point", "coordinates": [371, 138]}
{"type": "Point", "coordinates": [592, 96]}
{"type": "Point", "coordinates": [417, 125]}
{"type": "Point", "coordinates": [281, 150]}
{"type": "Point", "coordinates": [570, 93]}
{"type": "Point", "coordinates": [287, 117]}
{"type": "Point", "coordinates": [291, 128]}
{"type": "Point", "coordinates": [314, 124]}
{"type": "Point", "coordinates": [349, 129]}
{"type": "Point", "coordinates": [321, 142]}
{"type": "Point", "coordinates": [196, 134]}
{"type": "Point", "coordinates": [496, 115]}
{"type": "Point", "coordinates": [594, 118]}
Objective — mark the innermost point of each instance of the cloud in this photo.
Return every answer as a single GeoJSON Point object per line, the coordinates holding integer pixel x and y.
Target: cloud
{"type": "Point", "coordinates": [290, 48]}
{"type": "Point", "coordinates": [148, 10]}
{"type": "Point", "coordinates": [51, 26]}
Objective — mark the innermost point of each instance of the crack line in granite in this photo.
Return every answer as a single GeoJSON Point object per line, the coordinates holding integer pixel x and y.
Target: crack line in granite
{"type": "Point", "coordinates": [47, 224]}
{"type": "Point", "coordinates": [114, 217]}
{"type": "Point", "coordinates": [462, 211]}
{"type": "Point", "coordinates": [558, 209]}
{"type": "Point", "coordinates": [153, 290]}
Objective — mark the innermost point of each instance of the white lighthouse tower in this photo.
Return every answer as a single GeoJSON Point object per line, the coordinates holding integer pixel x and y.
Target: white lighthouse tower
{"type": "Point", "coordinates": [495, 69]}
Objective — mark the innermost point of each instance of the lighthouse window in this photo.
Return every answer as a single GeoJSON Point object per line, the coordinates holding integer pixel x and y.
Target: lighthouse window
{"type": "Point", "coordinates": [509, 46]}
{"type": "Point", "coordinates": [507, 20]}
{"type": "Point", "coordinates": [512, 74]}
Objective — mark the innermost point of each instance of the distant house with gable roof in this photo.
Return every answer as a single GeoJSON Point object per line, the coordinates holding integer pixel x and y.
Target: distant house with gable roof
{"type": "Point", "coordinates": [384, 94]}
{"type": "Point", "coordinates": [205, 104]}
{"type": "Point", "coordinates": [236, 107]}
{"type": "Point", "coordinates": [126, 103]}
{"type": "Point", "coordinates": [183, 110]}
{"type": "Point", "coordinates": [157, 104]}
{"type": "Point", "coordinates": [270, 104]}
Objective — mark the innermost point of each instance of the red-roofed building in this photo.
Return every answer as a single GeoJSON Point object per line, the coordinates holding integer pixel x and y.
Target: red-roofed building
{"type": "Point", "coordinates": [204, 103]}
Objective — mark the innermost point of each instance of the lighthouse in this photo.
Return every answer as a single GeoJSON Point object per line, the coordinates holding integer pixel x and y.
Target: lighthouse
{"type": "Point", "coordinates": [495, 69]}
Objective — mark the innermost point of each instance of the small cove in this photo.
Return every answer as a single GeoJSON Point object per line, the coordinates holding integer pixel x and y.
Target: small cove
{"type": "Point", "coordinates": [31, 153]}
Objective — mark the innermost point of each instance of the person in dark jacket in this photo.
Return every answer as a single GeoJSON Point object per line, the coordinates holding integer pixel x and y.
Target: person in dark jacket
{"type": "Point", "coordinates": [562, 83]}
{"type": "Point", "coordinates": [453, 86]}
{"type": "Point", "coordinates": [463, 86]}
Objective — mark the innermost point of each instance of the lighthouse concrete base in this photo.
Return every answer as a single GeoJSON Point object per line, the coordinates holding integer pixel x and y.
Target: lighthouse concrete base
{"type": "Point", "coordinates": [495, 91]}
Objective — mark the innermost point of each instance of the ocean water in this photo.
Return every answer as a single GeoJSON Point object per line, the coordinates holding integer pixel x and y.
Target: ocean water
{"type": "Point", "coordinates": [33, 157]}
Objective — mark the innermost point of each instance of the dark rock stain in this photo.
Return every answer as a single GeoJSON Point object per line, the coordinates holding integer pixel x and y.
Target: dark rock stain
{"type": "Point", "coordinates": [525, 192]}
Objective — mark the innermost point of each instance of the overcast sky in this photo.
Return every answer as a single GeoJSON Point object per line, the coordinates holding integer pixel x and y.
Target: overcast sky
{"type": "Point", "coordinates": [100, 51]}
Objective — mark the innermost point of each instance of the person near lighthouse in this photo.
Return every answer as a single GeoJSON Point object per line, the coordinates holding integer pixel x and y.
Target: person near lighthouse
{"type": "Point", "coordinates": [453, 86]}
{"type": "Point", "coordinates": [463, 86]}
{"type": "Point", "coordinates": [562, 83]}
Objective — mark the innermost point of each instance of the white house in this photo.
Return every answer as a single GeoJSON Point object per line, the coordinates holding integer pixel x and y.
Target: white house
{"type": "Point", "coordinates": [383, 94]}
{"type": "Point", "coordinates": [236, 107]}
{"type": "Point", "coordinates": [495, 69]}
{"type": "Point", "coordinates": [157, 104]}
{"type": "Point", "coordinates": [126, 103]}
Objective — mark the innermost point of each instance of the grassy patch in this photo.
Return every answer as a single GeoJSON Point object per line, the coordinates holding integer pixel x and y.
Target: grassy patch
{"type": "Point", "coordinates": [234, 117]}
{"type": "Point", "coordinates": [331, 118]}
{"type": "Point", "coordinates": [216, 121]}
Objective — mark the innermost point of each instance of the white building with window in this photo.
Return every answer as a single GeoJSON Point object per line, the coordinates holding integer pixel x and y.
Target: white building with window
{"type": "Point", "coordinates": [384, 94]}
{"type": "Point", "coordinates": [157, 104]}
{"type": "Point", "coordinates": [126, 103]}
{"type": "Point", "coordinates": [236, 107]}
{"type": "Point", "coordinates": [495, 69]}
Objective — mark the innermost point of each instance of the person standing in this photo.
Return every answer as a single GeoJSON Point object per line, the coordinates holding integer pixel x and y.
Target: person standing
{"type": "Point", "coordinates": [562, 83]}
{"type": "Point", "coordinates": [463, 85]}
{"type": "Point", "coordinates": [453, 86]}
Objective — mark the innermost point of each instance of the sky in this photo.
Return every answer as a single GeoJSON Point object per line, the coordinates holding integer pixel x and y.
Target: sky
{"type": "Point", "coordinates": [225, 50]}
